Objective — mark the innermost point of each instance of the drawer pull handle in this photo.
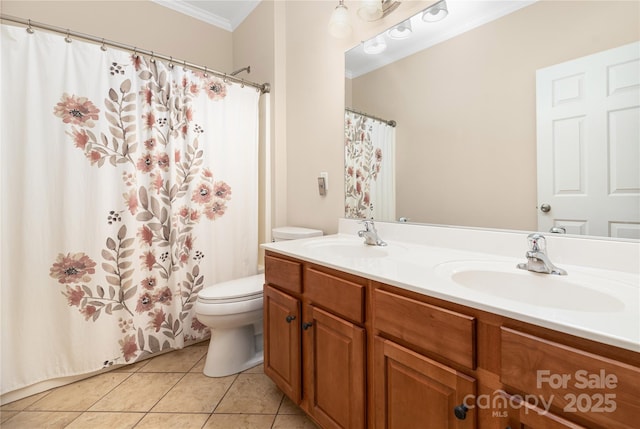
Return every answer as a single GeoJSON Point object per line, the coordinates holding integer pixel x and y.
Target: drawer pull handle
{"type": "Point", "coordinates": [306, 325]}
{"type": "Point", "coordinates": [460, 411]}
{"type": "Point", "coordinates": [290, 318]}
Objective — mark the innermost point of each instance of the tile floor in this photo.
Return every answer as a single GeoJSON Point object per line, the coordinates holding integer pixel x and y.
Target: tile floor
{"type": "Point", "coordinates": [168, 391]}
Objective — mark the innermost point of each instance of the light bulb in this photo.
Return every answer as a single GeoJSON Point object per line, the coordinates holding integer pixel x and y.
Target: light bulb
{"type": "Point", "coordinates": [340, 24]}
{"type": "Point", "coordinates": [436, 12]}
{"type": "Point", "coordinates": [371, 10]}
{"type": "Point", "coordinates": [375, 46]}
{"type": "Point", "coordinates": [401, 31]}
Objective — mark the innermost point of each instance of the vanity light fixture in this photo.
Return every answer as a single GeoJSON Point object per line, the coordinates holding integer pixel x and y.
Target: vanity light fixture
{"type": "Point", "coordinates": [375, 45]}
{"type": "Point", "coordinates": [401, 31]}
{"type": "Point", "coordinates": [436, 13]}
{"type": "Point", "coordinates": [340, 23]}
{"type": "Point", "coordinates": [371, 10]}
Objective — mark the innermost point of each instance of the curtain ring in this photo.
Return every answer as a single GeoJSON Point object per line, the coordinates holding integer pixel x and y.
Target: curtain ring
{"type": "Point", "coordinates": [103, 47]}
{"type": "Point", "coordinates": [205, 72]}
{"type": "Point", "coordinates": [184, 65]}
{"type": "Point", "coordinates": [171, 62]}
{"type": "Point", "coordinates": [241, 83]}
{"type": "Point", "coordinates": [135, 53]}
{"type": "Point", "coordinates": [68, 37]}
{"type": "Point", "coordinates": [224, 78]}
{"type": "Point", "coordinates": [152, 59]}
{"type": "Point", "coordinates": [30, 30]}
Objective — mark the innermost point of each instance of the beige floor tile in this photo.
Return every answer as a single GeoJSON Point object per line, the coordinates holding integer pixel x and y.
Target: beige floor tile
{"type": "Point", "coordinates": [6, 415]}
{"type": "Point", "coordinates": [288, 407]}
{"type": "Point", "coordinates": [177, 361]}
{"type": "Point", "coordinates": [195, 393]}
{"type": "Point", "coordinates": [293, 422]}
{"type": "Point", "coordinates": [139, 392]}
{"type": "Point", "coordinates": [134, 367]}
{"type": "Point", "coordinates": [199, 367]}
{"type": "Point", "coordinates": [39, 420]}
{"type": "Point", "coordinates": [244, 421]}
{"type": "Point", "coordinates": [23, 403]}
{"type": "Point", "coordinates": [171, 421]}
{"type": "Point", "coordinates": [251, 394]}
{"type": "Point", "coordinates": [79, 396]}
{"type": "Point", "coordinates": [258, 369]}
{"type": "Point", "coordinates": [102, 420]}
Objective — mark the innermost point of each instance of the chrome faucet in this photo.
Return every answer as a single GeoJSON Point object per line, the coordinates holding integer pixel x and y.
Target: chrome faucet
{"type": "Point", "coordinates": [537, 259]}
{"type": "Point", "coordinates": [370, 234]}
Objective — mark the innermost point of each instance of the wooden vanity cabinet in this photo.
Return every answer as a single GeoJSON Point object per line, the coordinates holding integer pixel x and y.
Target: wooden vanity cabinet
{"type": "Point", "coordinates": [336, 370]}
{"type": "Point", "coordinates": [315, 340]}
{"type": "Point", "coordinates": [599, 390]}
{"type": "Point", "coordinates": [282, 351]}
{"type": "Point", "coordinates": [433, 353]}
{"type": "Point", "coordinates": [412, 391]}
{"type": "Point", "coordinates": [356, 353]}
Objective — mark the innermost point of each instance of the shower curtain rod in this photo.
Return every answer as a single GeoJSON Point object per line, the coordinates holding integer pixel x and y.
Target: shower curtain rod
{"type": "Point", "coordinates": [389, 122]}
{"type": "Point", "coordinates": [262, 87]}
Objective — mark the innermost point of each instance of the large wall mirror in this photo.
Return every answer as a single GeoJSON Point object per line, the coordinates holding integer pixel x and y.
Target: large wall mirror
{"type": "Point", "coordinates": [466, 140]}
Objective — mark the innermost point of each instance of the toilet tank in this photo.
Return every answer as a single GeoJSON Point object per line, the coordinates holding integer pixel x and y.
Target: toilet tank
{"type": "Point", "coordinates": [283, 233]}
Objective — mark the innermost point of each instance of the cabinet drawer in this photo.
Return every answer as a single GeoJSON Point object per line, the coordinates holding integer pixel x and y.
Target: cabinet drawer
{"type": "Point", "coordinates": [599, 389]}
{"type": "Point", "coordinates": [444, 332]}
{"type": "Point", "coordinates": [283, 273]}
{"type": "Point", "coordinates": [341, 296]}
{"type": "Point", "coordinates": [534, 417]}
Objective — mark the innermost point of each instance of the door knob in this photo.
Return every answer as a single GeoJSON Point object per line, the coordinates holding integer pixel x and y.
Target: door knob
{"type": "Point", "coordinates": [545, 208]}
{"type": "Point", "coordinates": [306, 325]}
{"type": "Point", "coordinates": [290, 318]}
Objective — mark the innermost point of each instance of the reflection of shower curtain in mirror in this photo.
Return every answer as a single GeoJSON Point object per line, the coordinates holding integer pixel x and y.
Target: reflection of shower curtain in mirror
{"type": "Point", "coordinates": [127, 186]}
{"type": "Point", "coordinates": [369, 168]}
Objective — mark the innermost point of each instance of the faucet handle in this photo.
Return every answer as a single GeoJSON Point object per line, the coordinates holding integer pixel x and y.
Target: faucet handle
{"type": "Point", "coordinates": [368, 225]}
{"type": "Point", "coordinates": [537, 242]}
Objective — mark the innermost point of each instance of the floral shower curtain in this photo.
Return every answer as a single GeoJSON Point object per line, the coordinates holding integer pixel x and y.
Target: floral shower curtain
{"type": "Point", "coordinates": [128, 185]}
{"type": "Point", "coordinates": [369, 168]}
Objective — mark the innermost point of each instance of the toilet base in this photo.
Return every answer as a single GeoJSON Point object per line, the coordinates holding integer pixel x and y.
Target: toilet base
{"type": "Point", "coordinates": [233, 350]}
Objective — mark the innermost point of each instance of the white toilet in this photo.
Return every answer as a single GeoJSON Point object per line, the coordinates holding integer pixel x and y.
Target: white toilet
{"type": "Point", "coordinates": [233, 312]}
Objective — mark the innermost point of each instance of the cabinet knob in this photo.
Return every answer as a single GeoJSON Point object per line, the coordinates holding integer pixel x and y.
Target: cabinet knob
{"type": "Point", "coordinates": [290, 318]}
{"type": "Point", "coordinates": [460, 411]}
{"type": "Point", "coordinates": [306, 325]}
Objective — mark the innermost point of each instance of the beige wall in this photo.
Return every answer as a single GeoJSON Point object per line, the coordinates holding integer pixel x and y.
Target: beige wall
{"type": "Point", "coordinates": [254, 45]}
{"type": "Point", "coordinates": [465, 109]}
{"type": "Point", "coordinates": [315, 94]}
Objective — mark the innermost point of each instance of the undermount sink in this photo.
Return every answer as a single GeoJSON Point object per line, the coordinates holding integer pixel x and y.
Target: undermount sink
{"type": "Point", "coordinates": [349, 249]}
{"type": "Point", "coordinates": [574, 292]}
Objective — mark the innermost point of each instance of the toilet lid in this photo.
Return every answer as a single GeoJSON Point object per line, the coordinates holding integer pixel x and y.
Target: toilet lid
{"type": "Point", "coordinates": [241, 289]}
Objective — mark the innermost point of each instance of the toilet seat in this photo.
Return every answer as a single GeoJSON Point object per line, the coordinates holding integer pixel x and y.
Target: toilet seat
{"type": "Point", "coordinates": [238, 290]}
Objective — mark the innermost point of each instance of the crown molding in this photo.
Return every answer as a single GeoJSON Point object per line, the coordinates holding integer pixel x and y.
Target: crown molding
{"type": "Point", "coordinates": [197, 13]}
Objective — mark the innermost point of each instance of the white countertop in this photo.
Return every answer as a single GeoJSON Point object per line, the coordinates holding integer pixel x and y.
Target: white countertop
{"type": "Point", "coordinates": [606, 307]}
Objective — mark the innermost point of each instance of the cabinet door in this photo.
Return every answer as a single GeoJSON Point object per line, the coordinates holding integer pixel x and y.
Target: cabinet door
{"type": "Point", "coordinates": [414, 391]}
{"type": "Point", "coordinates": [336, 387]}
{"type": "Point", "coordinates": [282, 354]}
